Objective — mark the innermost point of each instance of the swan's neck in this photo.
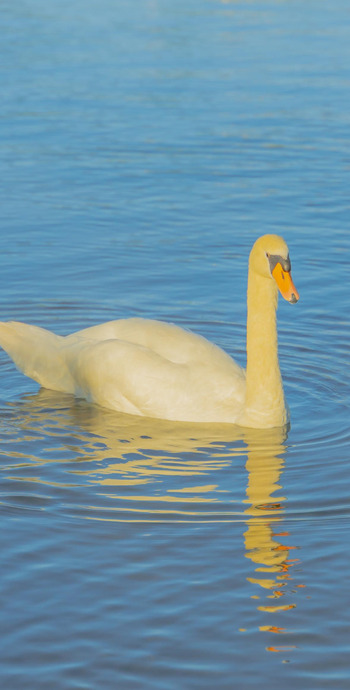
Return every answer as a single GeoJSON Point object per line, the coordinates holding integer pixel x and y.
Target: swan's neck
{"type": "Point", "coordinates": [264, 405]}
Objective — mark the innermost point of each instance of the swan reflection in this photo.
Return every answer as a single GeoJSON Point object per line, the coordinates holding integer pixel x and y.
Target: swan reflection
{"type": "Point", "coordinates": [265, 536]}
{"type": "Point", "coordinates": [139, 469]}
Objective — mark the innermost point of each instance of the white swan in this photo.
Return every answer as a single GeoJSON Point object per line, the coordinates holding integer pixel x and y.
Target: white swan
{"type": "Point", "coordinates": [156, 369]}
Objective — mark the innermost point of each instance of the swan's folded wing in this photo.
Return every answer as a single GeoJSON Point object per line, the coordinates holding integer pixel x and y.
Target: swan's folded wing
{"type": "Point", "coordinates": [132, 378]}
{"type": "Point", "coordinates": [184, 379]}
{"type": "Point", "coordinates": [168, 340]}
{"type": "Point", "coordinates": [125, 376]}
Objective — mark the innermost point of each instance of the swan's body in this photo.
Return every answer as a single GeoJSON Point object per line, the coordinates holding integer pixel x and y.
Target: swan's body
{"type": "Point", "coordinates": [156, 369]}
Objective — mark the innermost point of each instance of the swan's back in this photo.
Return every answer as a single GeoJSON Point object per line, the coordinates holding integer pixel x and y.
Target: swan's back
{"type": "Point", "coordinates": [172, 342]}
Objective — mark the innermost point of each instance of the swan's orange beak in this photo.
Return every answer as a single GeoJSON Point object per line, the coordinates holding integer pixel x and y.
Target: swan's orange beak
{"type": "Point", "coordinates": [285, 284]}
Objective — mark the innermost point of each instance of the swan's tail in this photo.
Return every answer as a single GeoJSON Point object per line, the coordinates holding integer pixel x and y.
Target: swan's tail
{"type": "Point", "coordinates": [37, 353]}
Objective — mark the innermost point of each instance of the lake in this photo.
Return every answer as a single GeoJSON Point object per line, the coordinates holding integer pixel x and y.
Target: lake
{"type": "Point", "coordinates": [145, 146]}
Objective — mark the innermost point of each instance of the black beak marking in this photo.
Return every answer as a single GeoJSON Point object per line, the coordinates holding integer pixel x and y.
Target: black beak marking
{"type": "Point", "coordinates": [275, 259]}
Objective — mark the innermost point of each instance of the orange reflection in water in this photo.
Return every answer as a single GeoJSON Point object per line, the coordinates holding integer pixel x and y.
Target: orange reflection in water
{"type": "Point", "coordinates": [263, 537]}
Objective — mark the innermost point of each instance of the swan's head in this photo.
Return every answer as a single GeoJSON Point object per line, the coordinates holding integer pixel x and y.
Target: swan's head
{"type": "Point", "coordinates": [270, 258]}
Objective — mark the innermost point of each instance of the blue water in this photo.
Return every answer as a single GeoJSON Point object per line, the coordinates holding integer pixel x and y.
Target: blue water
{"type": "Point", "coordinates": [145, 146]}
